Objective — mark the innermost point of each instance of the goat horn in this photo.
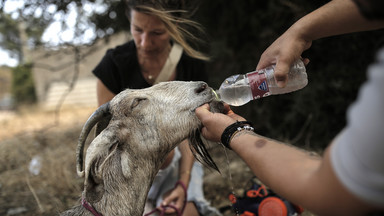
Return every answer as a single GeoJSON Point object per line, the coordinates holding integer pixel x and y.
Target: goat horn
{"type": "Point", "coordinates": [99, 114]}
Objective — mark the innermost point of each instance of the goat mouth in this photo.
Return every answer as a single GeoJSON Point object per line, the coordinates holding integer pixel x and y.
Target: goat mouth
{"type": "Point", "coordinates": [214, 105]}
{"type": "Point", "coordinates": [217, 106]}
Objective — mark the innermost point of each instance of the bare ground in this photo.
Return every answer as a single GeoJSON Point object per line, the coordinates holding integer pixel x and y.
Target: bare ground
{"type": "Point", "coordinates": [35, 134]}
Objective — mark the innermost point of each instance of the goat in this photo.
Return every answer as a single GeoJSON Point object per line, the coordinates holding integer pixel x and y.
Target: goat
{"type": "Point", "coordinates": [143, 126]}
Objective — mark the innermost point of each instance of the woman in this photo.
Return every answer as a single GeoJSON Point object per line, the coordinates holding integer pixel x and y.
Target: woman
{"type": "Point", "coordinates": [157, 28]}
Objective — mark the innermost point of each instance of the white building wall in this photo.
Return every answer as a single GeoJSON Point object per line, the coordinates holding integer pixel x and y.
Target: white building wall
{"type": "Point", "coordinates": [54, 71]}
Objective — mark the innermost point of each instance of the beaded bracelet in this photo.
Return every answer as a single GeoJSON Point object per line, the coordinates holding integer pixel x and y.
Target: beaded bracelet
{"type": "Point", "coordinates": [234, 128]}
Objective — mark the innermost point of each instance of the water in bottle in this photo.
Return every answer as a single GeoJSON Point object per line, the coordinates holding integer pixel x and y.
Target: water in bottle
{"type": "Point", "coordinates": [239, 89]}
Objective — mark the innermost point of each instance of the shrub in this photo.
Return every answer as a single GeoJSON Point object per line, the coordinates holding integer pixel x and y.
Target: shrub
{"type": "Point", "coordinates": [23, 89]}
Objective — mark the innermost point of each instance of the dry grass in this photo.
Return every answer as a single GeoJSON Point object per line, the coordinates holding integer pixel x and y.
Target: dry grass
{"type": "Point", "coordinates": [56, 188]}
{"type": "Point", "coordinates": [32, 119]}
{"type": "Point", "coordinates": [33, 133]}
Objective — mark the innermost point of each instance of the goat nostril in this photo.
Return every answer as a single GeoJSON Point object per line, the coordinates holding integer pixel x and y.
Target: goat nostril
{"type": "Point", "coordinates": [201, 88]}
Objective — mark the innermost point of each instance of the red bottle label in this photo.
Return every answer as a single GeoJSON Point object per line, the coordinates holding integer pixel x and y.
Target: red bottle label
{"type": "Point", "coordinates": [258, 83]}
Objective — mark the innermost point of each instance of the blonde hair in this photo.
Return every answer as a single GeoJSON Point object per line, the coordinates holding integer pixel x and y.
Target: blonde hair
{"type": "Point", "coordinates": [175, 23]}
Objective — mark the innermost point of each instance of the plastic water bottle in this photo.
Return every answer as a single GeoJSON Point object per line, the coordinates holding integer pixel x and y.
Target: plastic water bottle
{"type": "Point", "coordinates": [35, 165]}
{"type": "Point", "coordinates": [239, 89]}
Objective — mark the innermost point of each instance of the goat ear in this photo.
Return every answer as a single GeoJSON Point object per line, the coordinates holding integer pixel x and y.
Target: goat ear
{"type": "Point", "coordinates": [93, 185]}
{"type": "Point", "coordinates": [99, 151]}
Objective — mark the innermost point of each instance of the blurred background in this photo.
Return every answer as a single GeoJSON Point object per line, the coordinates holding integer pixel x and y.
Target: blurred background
{"type": "Point", "coordinates": [48, 49]}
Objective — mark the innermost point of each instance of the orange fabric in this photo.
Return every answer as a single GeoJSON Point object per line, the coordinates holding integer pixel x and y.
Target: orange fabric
{"type": "Point", "coordinates": [260, 192]}
{"type": "Point", "coordinates": [232, 198]}
{"type": "Point", "coordinates": [247, 213]}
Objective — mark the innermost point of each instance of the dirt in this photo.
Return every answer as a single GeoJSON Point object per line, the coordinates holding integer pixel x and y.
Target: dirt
{"type": "Point", "coordinates": [34, 134]}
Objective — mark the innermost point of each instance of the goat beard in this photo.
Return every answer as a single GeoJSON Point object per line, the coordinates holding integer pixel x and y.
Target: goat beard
{"type": "Point", "coordinates": [199, 150]}
{"type": "Point", "coordinates": [198, 146]}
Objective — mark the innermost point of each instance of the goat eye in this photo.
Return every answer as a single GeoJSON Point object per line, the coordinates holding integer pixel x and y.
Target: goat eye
{"type": "Point", "coordinates": [136, 102]}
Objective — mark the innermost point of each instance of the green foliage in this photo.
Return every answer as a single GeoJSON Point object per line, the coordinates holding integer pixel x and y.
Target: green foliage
{"type": "Point", "coordinates": [13, 30]}
{"type": "Point", "coordinates": [108, 21]}
{"type": "Point", "coordinates": [23, 89]}
{"type": "Point", "coordinates": [111, 21]}
{"type": "Point", "coordinates": [9, 35]}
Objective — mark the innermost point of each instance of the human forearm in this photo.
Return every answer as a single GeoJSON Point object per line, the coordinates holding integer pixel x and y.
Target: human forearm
{"type": "Point", "coordinates": [334, 18]}
{"type": "Point", "coordinates": [269, 160]}
{"type": "Point", "coordinates": [300, 176]}
{"type": "Point", "coordinates": [186, 162]}
{"type": "Point", "coordinates": [103, 93]}
{"type": "Point", "coordinates": [178, 194]}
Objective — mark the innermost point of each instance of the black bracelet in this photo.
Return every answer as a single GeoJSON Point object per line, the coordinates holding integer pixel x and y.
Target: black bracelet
{"type": "Point", "coordinates": [234, 128]}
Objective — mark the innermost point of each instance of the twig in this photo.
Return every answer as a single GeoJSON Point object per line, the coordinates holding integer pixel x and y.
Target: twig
{"type": "Point", "coordinates": [34, 195]}
{"type": "Point", "coordinates": [72, 84]}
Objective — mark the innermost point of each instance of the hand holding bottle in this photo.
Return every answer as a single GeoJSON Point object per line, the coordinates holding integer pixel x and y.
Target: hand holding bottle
{"type": "Point", "coordinates": [239, 89]}
{"type": "Point", "coordinates": [284, 52]}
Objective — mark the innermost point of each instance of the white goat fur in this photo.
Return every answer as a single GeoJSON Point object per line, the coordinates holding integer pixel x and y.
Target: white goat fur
{"type": "Point", "coordinates": [145, 125]}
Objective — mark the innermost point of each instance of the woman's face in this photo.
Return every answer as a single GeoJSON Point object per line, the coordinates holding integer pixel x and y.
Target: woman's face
{"type": "Point", "coordinates": [149, 33]}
